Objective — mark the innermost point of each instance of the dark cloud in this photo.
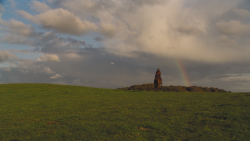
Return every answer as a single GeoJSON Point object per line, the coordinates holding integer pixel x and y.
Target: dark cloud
{"type": "Point", "coordinates": [76, 42]}
{"type": "Point", "coordinates": [98, 39]}
{"type": "Point", "coordinates": [233, 27]}
{"type": "Point", "coordinates": [48, 42]}
{"type": "Point", "coordinates": [92, 67]}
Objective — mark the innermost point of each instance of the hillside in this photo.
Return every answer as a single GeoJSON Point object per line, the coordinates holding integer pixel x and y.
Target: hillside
{"type": "Point", "coordinates": [150, 87]}
{"type": "Point", "coordinates": [48, 112]}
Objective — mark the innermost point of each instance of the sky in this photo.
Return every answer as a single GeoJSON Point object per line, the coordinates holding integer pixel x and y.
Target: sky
{"type": "Point", "coordinates": [119, 43]}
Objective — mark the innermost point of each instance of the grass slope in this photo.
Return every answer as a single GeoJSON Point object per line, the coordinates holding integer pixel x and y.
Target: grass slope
{"type": "Point", "coordinates": [59, 112]}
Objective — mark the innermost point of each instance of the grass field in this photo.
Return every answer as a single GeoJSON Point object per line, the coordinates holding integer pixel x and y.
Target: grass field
{"type": "Point", "coordinates": [45, 112]}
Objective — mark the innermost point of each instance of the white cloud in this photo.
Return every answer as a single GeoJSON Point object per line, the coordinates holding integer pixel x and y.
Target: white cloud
{"type": "Point", "coordinates": [6, 56]}
{"type": "Point", "coordinates": [61, 20]}
{"type": "Point", "coordinates": [17, 27]}
{"type": "Point", "coordinates": [56, 76]}
{"type": "Point", "coordinates": [107, 29]}
{"type": "Point", "coordinates": [48, 70]}
{"type": "Point", "coordinates": [49, 57]}
{"type": "Point", "coordinates": [73, 56]}
{"type": "Point", "coordinates": [27, 16]}
{"type": "Point", "coordinates": [163, 29]}
{"type": "Point", "coordinates": [39, 6]}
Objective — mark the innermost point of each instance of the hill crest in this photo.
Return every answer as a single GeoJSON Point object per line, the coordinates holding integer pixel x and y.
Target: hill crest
{"type": "Point", "coordinates": [150, 87]}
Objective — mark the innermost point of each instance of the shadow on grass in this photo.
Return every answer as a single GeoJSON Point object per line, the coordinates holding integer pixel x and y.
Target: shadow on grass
{"type": "Point", "coordinates": [220, 117]}
{"type": "Point", "coordinates": [244, 93]}
{"type": "Point", "coordinates": [134, 91]}
{"type": "Point", "coordinates": [222, 105]}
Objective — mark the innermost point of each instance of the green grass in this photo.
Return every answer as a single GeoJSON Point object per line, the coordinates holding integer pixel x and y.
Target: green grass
{"type": "Point", "coordinates": [47, 112]}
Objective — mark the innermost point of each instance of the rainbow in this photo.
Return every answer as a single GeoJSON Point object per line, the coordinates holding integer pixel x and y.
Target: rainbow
{"type": "Point", "coordinates": [183, 73]}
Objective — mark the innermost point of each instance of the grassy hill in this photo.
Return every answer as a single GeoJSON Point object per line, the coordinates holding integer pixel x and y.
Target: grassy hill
{"type": "Point", "coordinates": [59, 112]}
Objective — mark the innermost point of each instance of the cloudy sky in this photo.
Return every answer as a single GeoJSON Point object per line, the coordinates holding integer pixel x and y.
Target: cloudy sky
{"type": "Point", "coordinates": [119, 43]}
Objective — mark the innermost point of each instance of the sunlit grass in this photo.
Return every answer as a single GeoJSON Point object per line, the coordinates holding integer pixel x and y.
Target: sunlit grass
{"type": "Point", "coordinates": [60, 112]}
